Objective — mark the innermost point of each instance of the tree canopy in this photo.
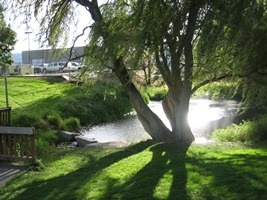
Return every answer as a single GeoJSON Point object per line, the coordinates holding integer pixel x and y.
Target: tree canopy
{"type": "Point", "coordinates": [236, 41]}
{"type": "Point", "coordinates": [7, 37]}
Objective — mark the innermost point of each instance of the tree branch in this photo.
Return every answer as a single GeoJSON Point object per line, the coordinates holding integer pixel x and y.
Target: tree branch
{"type": "Point", "coordinates": [214, 79]}
{"type": "Point", "coordinates": [72, 47]}
{"type": "Point", "coordinates": [93, 8]}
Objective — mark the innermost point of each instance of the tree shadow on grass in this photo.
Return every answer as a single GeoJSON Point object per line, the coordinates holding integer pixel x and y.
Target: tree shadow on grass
{"type": "Point", "coordinates": [145, 184]}
{"type": "Point", "coordinates": [68, 185]}
{"type": "Point", "coordinates": [142, 185]}
{"type": "Point", "coordinates": [232, 176]}
{"type": "Point", "coordinates": [223, 175]}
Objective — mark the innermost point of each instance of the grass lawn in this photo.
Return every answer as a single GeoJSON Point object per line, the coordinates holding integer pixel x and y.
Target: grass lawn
{"type": "Point", "coordinates": [147, 171]}
{"type": "Point", "coordinates": [35, 99]}
{"type": "Point", "coordinates": [36, 95]}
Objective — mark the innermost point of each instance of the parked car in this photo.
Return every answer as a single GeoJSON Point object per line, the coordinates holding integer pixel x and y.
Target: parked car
{"type": "Point", "coordinates": [72, 66]}
{"type": "Point", "coordinates": [40, 68]}
{"type": "Point", "coordinates": [54, 67]}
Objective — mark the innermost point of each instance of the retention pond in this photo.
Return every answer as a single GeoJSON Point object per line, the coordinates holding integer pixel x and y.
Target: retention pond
{"type": "Point", "coordinates": [204, 117]}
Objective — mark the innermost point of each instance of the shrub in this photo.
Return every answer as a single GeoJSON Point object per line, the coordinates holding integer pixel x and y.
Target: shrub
{"type": "Point", "coordinates": [45, 142]}
{"type": "Point", "coordinates": [145, 97]}
{"type": "Point", "coordinates": [246, 131]}
{"type": "Point", "coordinates": [72, 123]}
{"type": "Point", "coordinates": [31, 121]}
{"type": "Point", "coordinates": [54, 120]}
{"type": "Point", "coordinates": [156, 93]}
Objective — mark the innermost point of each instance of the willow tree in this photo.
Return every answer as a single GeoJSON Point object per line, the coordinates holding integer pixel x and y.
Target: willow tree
{"type": "Point", "coordinates": [123, 30]}
{"type": "Point", "coordinates": [240, 43]}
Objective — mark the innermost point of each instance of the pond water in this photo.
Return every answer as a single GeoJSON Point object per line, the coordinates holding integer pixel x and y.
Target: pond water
{"type": "Point", "coordinates": [204, 117]}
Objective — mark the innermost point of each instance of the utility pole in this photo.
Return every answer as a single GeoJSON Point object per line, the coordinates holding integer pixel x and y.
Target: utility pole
{"type": "Point", "coordinates": [28, 32]}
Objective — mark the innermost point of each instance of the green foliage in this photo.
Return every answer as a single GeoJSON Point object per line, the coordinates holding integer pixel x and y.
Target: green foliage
{"type": "Point", "coordinates": [145, 96]}
{"type": "Point", "coordinates": [246, 131]}
{"type": "Point", "coordinates": [54, 120]}
{"type": "Point", "coordinates": [47, 103]}
{"type": "Point", "coordinates": [8, 37]}
{"type": "Point", "coordinates": [156, 93]}
{"type": "Point", "coordinates": [37, 166]}
{"type": "Point", "coordinates": [45, 142]}
{"type": "Point", "coordinates": [219, 90]}
{"type": "Point", "coordinates": [235, 42]}
{"type": "Point", "coordinates": [30, 120]}
{"type": "Point", "coordinates": [101, 103]}
{"type": "Point", "coordinates": [255, 94]}
{"type": "Point", "coordinates": [72, 124]}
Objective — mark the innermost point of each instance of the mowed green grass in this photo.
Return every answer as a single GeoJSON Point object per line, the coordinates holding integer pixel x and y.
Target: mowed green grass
{"type": "Point", "coordinates": [147, 171]}
{"type": "Point", "coordinates": [34, 95]}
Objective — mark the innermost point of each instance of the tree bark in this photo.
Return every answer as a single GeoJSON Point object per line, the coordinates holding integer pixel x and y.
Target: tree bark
{"type": "Point", "coordinates": [176, 106]}
{"type": "Point", "coordinates": [150, 121]}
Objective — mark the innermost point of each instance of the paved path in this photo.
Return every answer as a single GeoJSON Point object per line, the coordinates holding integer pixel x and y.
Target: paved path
{"type": "Point", "coordinates": [8, 171]}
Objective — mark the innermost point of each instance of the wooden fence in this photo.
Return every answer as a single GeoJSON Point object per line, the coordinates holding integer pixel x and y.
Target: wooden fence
{"type": "Point", "coordinates": [17, 144]}
{"type": "Point", "coordinates": [5, 116]}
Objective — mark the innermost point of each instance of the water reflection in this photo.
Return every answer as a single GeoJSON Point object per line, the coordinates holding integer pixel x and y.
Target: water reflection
{"type": "Point", "coordinates": [204, 117]}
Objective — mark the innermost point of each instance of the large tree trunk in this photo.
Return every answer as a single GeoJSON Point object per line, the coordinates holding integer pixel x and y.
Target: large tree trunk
{"type": "Point", "coordinates": [150, 121]}
{"type": "Point", "coordinates": [176, 106]}
{"type": "Point", "coordinates": [176, 103]}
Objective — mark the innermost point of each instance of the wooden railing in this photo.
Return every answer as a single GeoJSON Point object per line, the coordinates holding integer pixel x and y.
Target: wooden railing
{"type": "Point", "coordinates": [5, 115]}
{"type": "Point", "coordinates": [17, 144]}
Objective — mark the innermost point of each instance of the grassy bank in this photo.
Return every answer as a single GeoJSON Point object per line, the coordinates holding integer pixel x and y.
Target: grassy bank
{"type": "Point", "coordinates": [147, 171]}
{"type": "Point", "coordinates": [51, 104]}
{"type": "Point", "coordinates": [54, 100]}
{"type": "Point", "coordinates": [247, 131]}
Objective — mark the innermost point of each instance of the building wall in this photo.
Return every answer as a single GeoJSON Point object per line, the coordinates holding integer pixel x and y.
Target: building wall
{"type": "Point", "coordinates": [36, 57]}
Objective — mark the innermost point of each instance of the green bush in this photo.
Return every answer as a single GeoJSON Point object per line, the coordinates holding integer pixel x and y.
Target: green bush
{"type": "Point", "coordinates": [155, 93]}
{"type": "Point", "coordinates": [145, 96]}
{"type": "Point", "coordinates": [46, 141]}
{"type": "Point", "coordinates": [72, 123]}
{"type": "Point", "coordinates": [30, 121]}
{"type": "Point", "coordinates": [246, 131]}
{"type": "Point", "coordinates": [54, 120]}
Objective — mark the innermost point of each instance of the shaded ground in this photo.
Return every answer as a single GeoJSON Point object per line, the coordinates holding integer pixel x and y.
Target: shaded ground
{"type": "Point", "coordinates": [8, 170]}
{"type": "Point", "coordinates": [147, 171]}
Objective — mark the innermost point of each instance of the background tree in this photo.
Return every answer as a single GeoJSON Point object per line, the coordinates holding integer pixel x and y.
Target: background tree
{"type": "Point", "coordinates": [175, 33]}
{"type": "Point", "coordinates": [7, 37]}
